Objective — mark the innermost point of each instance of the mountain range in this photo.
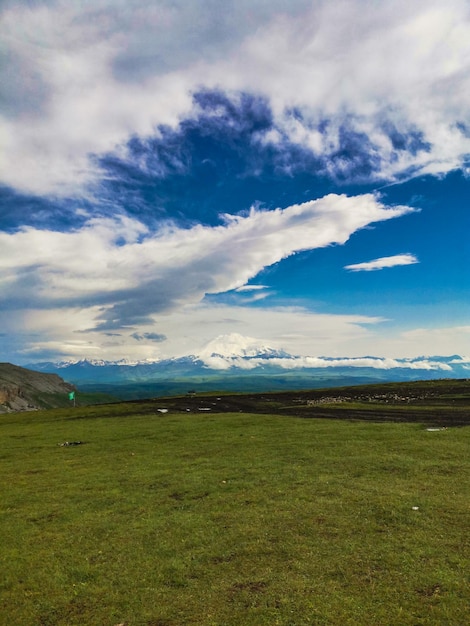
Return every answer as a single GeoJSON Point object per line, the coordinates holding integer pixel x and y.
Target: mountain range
{"type": "Point", "coordinates": [237, 363]}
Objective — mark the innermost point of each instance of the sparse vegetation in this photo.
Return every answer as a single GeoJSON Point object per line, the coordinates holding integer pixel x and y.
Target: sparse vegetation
{"type": "Point", "coordinates": [23, 389]}
{"type": "Point", "coordinates": [207, 518]}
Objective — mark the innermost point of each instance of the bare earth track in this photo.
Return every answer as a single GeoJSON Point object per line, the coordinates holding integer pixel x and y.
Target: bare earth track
{"type": "Point", "coordinates": [436, 403]}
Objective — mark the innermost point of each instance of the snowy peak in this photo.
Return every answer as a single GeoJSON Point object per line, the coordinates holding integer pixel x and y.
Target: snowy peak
{"type": "Point", "coordinates": [235, 355]}
{"type": "Point", "coordinates": [99, 363]}
{"type": "Point", "coordinates": [235, 345]}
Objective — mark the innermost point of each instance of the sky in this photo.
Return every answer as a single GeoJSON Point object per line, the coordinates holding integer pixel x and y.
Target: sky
{"type": "Point", "coordinates": [292, 171]}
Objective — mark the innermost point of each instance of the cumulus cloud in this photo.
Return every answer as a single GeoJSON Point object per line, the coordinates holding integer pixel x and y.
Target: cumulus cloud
{"type": "Point", "coordinates": [394, 77]}
{"type": "Point", "coordinates": [293, 363]}
{"type": "Point", "coordinates": [382, 262]}
{"type": "Point", "coordinates": [132, 273]}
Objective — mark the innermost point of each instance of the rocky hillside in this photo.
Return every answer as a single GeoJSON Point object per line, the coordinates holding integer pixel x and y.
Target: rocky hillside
{"type": "Point", "coordinates": [24, 390]}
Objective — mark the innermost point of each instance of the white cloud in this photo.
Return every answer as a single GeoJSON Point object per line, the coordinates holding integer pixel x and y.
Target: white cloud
{"type": "Point", "coordinates": [382, 262]}
{"type": "Point", "coordinates": [225, 363]}
{"type": "Point", "coordinates": [62, 333]}
{"type": "Point", "coordinates": [444, 340]}
{"type": "Point", "coordinates": [252, 288]}
{"type": "Point", "coordinates": [82, 78]}
{"type": "Point", "coordinates": [132, 272]}
{"type": "Point", "coordinates": [93, 75]}
{"type": "Point", "coordinates": [238, 351]}
{"type": "Point", "coordinates": [65, 332]}
{"type": "Point", "coordinates": [81, 107]}
{"type": "Point", "coordinates": [413, 342]}
{"type": "Point", "coordinates": [87, 291]}
{"type": "Point", "coordinates": [377, 363]}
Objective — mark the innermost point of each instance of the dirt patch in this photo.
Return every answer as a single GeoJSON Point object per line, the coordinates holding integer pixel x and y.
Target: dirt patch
{"type": "Point", "coordinates": [433, 403]}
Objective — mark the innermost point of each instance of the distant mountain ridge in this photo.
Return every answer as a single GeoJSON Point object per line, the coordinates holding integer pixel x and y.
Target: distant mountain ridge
{"type": "Point", "coordinates": [24, 390]}
{"type": "Point", "coordinates": [231, 357]}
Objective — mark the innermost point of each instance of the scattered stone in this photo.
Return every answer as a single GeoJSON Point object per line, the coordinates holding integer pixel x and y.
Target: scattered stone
{"type": "Point", "coordinates": [70, 443]}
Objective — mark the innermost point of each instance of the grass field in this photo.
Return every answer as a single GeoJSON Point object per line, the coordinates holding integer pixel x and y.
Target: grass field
{"type": "Point", "coordinates": [231, 519]}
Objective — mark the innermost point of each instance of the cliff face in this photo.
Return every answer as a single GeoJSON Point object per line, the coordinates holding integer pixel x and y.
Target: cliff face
{"type": "Point", "coordinates": [25, 390]}
{"type": "Point", "coordinates": [8, 393]}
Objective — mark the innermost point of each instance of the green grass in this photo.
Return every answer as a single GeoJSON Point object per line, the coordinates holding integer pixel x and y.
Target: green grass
{"type": "Point", "coordinates": [233, 519]}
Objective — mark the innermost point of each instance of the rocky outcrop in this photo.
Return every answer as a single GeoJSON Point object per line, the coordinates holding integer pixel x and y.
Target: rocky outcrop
{"type": "Point", "coordinates": [25, 390]}
{"type": "Point", "coordinates": [8, 393]}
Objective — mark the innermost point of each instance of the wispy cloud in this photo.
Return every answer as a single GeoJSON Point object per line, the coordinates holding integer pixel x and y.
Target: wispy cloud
{"type": "Point", "coordinates": [132, 273]}
{"type": "Point", "coordinates": [383, 262]}
{"type": "Point", "coordinates": [251, 287]}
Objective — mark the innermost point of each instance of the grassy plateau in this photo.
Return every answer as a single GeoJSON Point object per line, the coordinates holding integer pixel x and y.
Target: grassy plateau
{"type": "Point", "coordinates": [250, 518]}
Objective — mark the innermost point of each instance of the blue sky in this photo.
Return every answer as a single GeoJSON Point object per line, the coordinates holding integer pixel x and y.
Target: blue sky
{"type": "Point", "coordinates": [293, 172]}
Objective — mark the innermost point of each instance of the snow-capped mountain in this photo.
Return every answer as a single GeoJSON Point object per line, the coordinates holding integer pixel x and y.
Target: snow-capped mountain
{"type": "Point", "coordinates": [235, 345]}
{"type": "Point", "coordinates": [236, 351]}
{"type": "Point", "coordinates": [97, 363]}
{"type": "Point", "coordinates": [234, 357]}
